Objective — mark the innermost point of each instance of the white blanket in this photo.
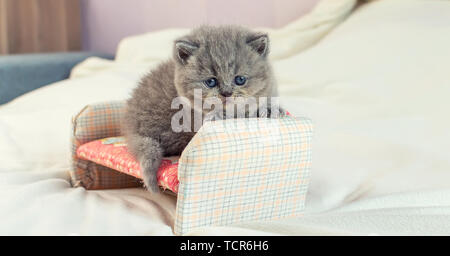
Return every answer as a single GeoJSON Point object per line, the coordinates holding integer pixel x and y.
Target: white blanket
{"type": "Point", "coordinates": [376, 88]}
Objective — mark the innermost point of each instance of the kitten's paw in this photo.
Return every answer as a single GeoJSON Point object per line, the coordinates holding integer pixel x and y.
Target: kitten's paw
{"type": "Point", "coordinates": [213, 116]}
{"type": "Point", "coordinates": [263, 112]}
{"type": "Point", "coordinates": [276, 112]}
{"type": "Point", "coordinates": [281, 113]}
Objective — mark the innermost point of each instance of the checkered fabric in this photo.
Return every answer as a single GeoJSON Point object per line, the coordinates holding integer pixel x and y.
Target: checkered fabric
{"type": "Point", "coordinates": [94, 122]}
{"type": "Point", "coordinates": [244, 170]}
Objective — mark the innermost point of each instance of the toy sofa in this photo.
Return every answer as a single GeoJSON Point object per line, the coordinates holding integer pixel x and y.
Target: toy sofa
{"type": "Point", "coordinates": [232, 171]}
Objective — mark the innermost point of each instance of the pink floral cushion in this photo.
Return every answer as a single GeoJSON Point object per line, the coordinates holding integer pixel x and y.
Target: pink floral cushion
{"type": "Point", "coordinates": [113, 153]}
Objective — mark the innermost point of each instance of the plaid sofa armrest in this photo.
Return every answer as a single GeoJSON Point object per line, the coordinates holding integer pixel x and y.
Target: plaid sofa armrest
{"type": "Point", "coordinates": [93, 122]}
{"type": "Point", "coordinates": [242, 170]}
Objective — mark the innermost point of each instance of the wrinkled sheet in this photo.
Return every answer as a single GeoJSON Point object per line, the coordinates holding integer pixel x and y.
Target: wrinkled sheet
{"type": "Point", "coordinates": [376, 87]}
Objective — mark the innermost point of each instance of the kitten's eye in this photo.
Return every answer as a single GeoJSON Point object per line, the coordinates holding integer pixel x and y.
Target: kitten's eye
{"type": "Point", "coordinates": [240, 80]}
{"type": "Point", "coordinates": [211, 82]}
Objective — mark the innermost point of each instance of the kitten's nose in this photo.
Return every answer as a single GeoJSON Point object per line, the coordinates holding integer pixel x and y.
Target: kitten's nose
{"type": "Point", "coordinates": [226, 93]}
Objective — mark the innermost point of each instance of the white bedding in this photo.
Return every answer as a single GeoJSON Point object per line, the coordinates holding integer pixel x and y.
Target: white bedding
{"type": "Point", "coordinates": [376, 88]}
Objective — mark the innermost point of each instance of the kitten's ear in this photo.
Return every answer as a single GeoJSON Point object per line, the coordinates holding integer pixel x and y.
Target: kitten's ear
{"type": "Point", "coordinates": [184, 49]}
{"type": "Point", "coordinates": [259, 43]}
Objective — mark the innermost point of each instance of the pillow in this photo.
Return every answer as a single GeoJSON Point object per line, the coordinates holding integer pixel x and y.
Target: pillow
{"type": "Point", "coordinates": [112, 152]}
{"type": "Point", "coordinates": [377, 89]}
{"type": "Point", "coordinates": [289, 40]}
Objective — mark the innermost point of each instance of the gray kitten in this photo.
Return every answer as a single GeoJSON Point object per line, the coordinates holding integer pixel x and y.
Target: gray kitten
{"type": "Point", "coordinates": [225, 61]}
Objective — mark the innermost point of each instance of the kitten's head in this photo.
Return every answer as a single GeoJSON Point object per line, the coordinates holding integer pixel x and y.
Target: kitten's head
{"type": "Point", "coordinates": [224, 61]}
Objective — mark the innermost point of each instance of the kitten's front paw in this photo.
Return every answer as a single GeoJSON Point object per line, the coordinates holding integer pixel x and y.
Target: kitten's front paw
{"type": "Point", "coordinates": [281, 113]}
{"type": "Point", "coordinates": [149, 168]}
{"type": "Point", "coordinates": [276, 112]}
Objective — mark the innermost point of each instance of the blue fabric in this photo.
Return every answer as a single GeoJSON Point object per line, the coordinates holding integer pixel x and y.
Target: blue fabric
{"type": "Point", "coordinates": [22, 73]}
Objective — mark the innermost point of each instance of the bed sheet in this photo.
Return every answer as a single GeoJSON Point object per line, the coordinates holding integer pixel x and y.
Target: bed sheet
{"type": "Point", "coordinates": [381, 163]}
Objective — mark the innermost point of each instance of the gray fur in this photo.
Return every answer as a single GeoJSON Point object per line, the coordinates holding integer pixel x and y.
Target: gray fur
{"type": "Point", "coordinates": [221, 52]}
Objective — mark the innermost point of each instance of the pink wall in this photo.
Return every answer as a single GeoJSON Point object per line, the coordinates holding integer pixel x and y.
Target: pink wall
{"type": "Point", "coordinates": [105, 22]}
